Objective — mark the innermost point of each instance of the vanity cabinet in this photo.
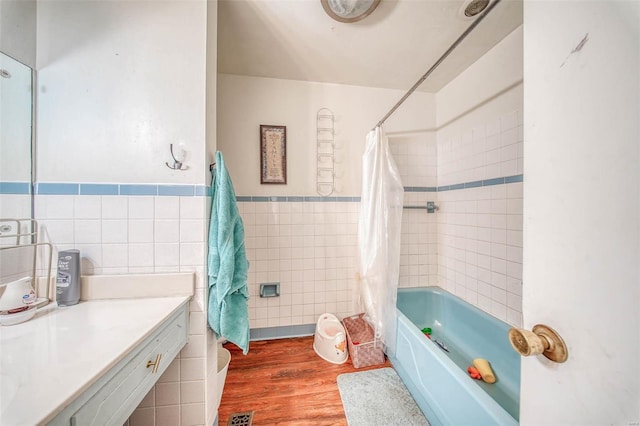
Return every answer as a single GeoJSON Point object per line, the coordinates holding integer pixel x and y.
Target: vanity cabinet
{"type": "Point", "coordinates": [115, 395]}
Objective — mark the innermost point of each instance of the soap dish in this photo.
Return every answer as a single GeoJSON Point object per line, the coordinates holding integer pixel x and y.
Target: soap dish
{"type": "Point", "coordinates": [18, 317]}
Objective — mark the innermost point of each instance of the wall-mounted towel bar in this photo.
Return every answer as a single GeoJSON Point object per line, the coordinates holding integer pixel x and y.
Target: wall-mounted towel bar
{"type": "Point", "coordinates": [430, 207]}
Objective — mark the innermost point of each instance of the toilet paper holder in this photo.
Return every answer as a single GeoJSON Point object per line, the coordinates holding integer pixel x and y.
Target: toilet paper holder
{"type": "Point", "coordinates": [542, 339]}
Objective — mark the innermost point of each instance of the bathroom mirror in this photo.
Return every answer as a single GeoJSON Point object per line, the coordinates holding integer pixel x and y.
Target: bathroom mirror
{"type": "Point", "coordinates": [16, 198]}
{"type": "Point", "coordinates": [16, 125]}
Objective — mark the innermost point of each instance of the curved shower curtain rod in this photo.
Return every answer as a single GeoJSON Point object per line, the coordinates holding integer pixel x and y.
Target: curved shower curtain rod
{"type": "Point", "coordinates": [439, 61]}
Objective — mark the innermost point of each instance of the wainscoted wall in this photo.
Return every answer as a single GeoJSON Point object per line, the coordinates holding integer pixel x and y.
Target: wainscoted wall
{"type": "Point", "coordinates": [120, 234]}
{"type": "Point", "coordinates": [109, 105]}
{"type": "Point", "coordinates": [309, 247]}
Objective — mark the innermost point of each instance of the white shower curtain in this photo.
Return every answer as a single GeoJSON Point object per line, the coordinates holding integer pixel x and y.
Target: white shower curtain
{"type": "Point", "coordinates": [379, 238]}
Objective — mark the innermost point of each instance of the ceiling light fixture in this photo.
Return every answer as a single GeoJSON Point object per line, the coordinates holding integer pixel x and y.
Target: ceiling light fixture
{"type": "Point", "coordinates": [348, 11]}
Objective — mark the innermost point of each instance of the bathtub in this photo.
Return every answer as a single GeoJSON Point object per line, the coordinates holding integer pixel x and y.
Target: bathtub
{"type": "Point", "coordinates": [437, 379]}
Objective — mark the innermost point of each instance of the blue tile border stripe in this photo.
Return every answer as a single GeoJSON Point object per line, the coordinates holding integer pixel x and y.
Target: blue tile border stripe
{"type": "Point", "coordinates": [48, 188]}
{"type": "Point", "coordinates": [514, 179]}
{"type": "Point", "coordinates": [179, 190]}
{"type": "Point", "coordinates": [54, 188]}
{"type": "Point", "coordinates": [16, 188]}
{"type": "Point", "coordinates": [98, 189]}
{"type": "Point", "coordinates": [138, 190]}
{"type": "Point", "coordinates": [480, 183]}
{"type": "Point", "coordinates": [420, 189]}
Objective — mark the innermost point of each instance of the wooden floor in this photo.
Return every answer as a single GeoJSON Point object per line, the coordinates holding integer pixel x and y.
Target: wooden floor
{"type": "Point", "coordinates": [285, 383]}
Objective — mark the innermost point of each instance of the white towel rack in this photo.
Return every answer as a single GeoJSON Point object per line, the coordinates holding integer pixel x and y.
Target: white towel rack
{"type": "Point", "coordinates": [325, 152]}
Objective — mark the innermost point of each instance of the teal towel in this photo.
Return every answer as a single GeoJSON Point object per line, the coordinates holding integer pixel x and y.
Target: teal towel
{"type": "Point", "coordinates": [228, 312]}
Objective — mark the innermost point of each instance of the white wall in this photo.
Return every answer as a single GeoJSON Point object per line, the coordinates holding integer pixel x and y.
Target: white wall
{"type": "Point", "coordinates": [479, 138]}
{"type": "Point", "coordinates": [119, 82]}
{"type": "Point", "coordinates": [18, 30]}
{"type": "Point", "coordinates": [246, 102]}
{"type": "Point", "coordinates": [582, 210]}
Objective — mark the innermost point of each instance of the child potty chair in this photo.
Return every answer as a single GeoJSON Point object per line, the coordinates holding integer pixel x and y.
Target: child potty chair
{"type": "Point", "coordinates": [330, 339]}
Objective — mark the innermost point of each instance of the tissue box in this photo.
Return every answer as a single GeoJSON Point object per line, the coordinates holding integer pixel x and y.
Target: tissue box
{"type": "Point", "coordinates": [363, 348]}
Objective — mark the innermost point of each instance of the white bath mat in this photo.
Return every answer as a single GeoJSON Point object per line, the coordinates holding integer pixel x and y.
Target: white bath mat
{"type": "Point", "coordinates": [378, 397]}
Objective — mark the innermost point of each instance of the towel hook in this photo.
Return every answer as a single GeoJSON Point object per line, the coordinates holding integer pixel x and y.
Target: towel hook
{"type": "Point", "coordinates": [178, 158]}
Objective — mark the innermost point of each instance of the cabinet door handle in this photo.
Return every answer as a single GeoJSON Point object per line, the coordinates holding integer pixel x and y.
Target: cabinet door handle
{"type": "Point", "coordinates": [155, 363]}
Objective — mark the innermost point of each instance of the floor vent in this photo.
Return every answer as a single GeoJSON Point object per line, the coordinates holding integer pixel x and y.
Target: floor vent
{"type": "Point", "coordinates": [240, 419]}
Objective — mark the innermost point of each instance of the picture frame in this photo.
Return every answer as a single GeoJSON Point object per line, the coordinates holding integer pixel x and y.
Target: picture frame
{"type": "Point", "coordinates": [273, 154]}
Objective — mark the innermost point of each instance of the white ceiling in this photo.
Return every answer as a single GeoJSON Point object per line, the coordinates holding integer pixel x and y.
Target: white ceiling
{"type": "Point", "coordinates": [391, 48]}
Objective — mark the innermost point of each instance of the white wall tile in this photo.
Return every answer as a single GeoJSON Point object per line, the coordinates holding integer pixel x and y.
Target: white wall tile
{"type": "Point", "coordinates": [115, 255]}
{"type": "Point", "coordinates": [115, 231]}
{"type": "Point", "coordinates": [191, 369]}
{"type": "Point", "coordinates": [141, 207]}
{"type": "Point", "coordinates": [167, 393]}
{"type": "Point", "coordinates": [192, 414]}
{"type": "Point", "coordinates": [167, 415]}
{"type": "Point", "coordinates": [58, 231]}
{"type": "Point", "coordinates": [115, 207]}
{"type": "Point", "coordinates": [141, 231]}
{"type": "Point", "coordinates": [87, 207]}
{"type": "Point", "coordinates": [87, 231]}
{"type": "Point", "coordinates": [167, 207]}
{"type": "Point", "coordinates": [191, 253]}
{"type": "Point", "coordinates": [166, 254]}
{"type": "Point", "coordinates": [192, 208]}
{"type": "Point", "coordinates": [141, 255]}
{"type": "Point", "coordinates": [192, 230]}
{"type": "Point", "coordinates": [166, 231]}
{"type": "Point", "coordinates": [56, 207]}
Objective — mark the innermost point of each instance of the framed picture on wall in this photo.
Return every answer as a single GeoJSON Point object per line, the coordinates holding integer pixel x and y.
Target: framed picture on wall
{"type": "Point", "coordinates": [273, 154]}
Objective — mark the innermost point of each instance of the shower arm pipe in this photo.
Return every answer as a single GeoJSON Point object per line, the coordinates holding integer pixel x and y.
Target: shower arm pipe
{"type": "Point", "coordinates": [444, 56]}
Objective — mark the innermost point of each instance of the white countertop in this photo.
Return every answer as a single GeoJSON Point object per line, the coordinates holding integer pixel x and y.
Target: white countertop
{"type": "Point", "coordinates": [48, 361]}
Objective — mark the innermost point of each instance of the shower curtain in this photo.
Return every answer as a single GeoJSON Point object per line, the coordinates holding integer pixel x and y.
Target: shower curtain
{"type": "Point", "coordinates": [379, 239]}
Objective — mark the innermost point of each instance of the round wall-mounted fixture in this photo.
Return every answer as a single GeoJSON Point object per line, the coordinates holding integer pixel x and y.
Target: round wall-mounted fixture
{"type": "Point", "coordinates": [471, 8]}
{"type": "Point", "coordinates": [349, 10]}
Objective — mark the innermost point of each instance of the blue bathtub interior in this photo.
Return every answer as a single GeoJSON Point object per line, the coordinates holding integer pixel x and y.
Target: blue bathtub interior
{"type": "Point", "coordinates": [438, 379]}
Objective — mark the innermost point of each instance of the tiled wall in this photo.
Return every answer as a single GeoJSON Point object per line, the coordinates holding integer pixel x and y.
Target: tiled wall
{"type": "Point", "coordinates": [121, 234]}
{"type": "Point", "coordinates": [309, 247]}
{"type": "Point", "coordinates": [480, 217]}
{"type": "Point", "coordinates": [488, 150]}
{"type": "Point", "coordinates": [419, 241]}
{"type": "Point", "coordinates": [416, 159]}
